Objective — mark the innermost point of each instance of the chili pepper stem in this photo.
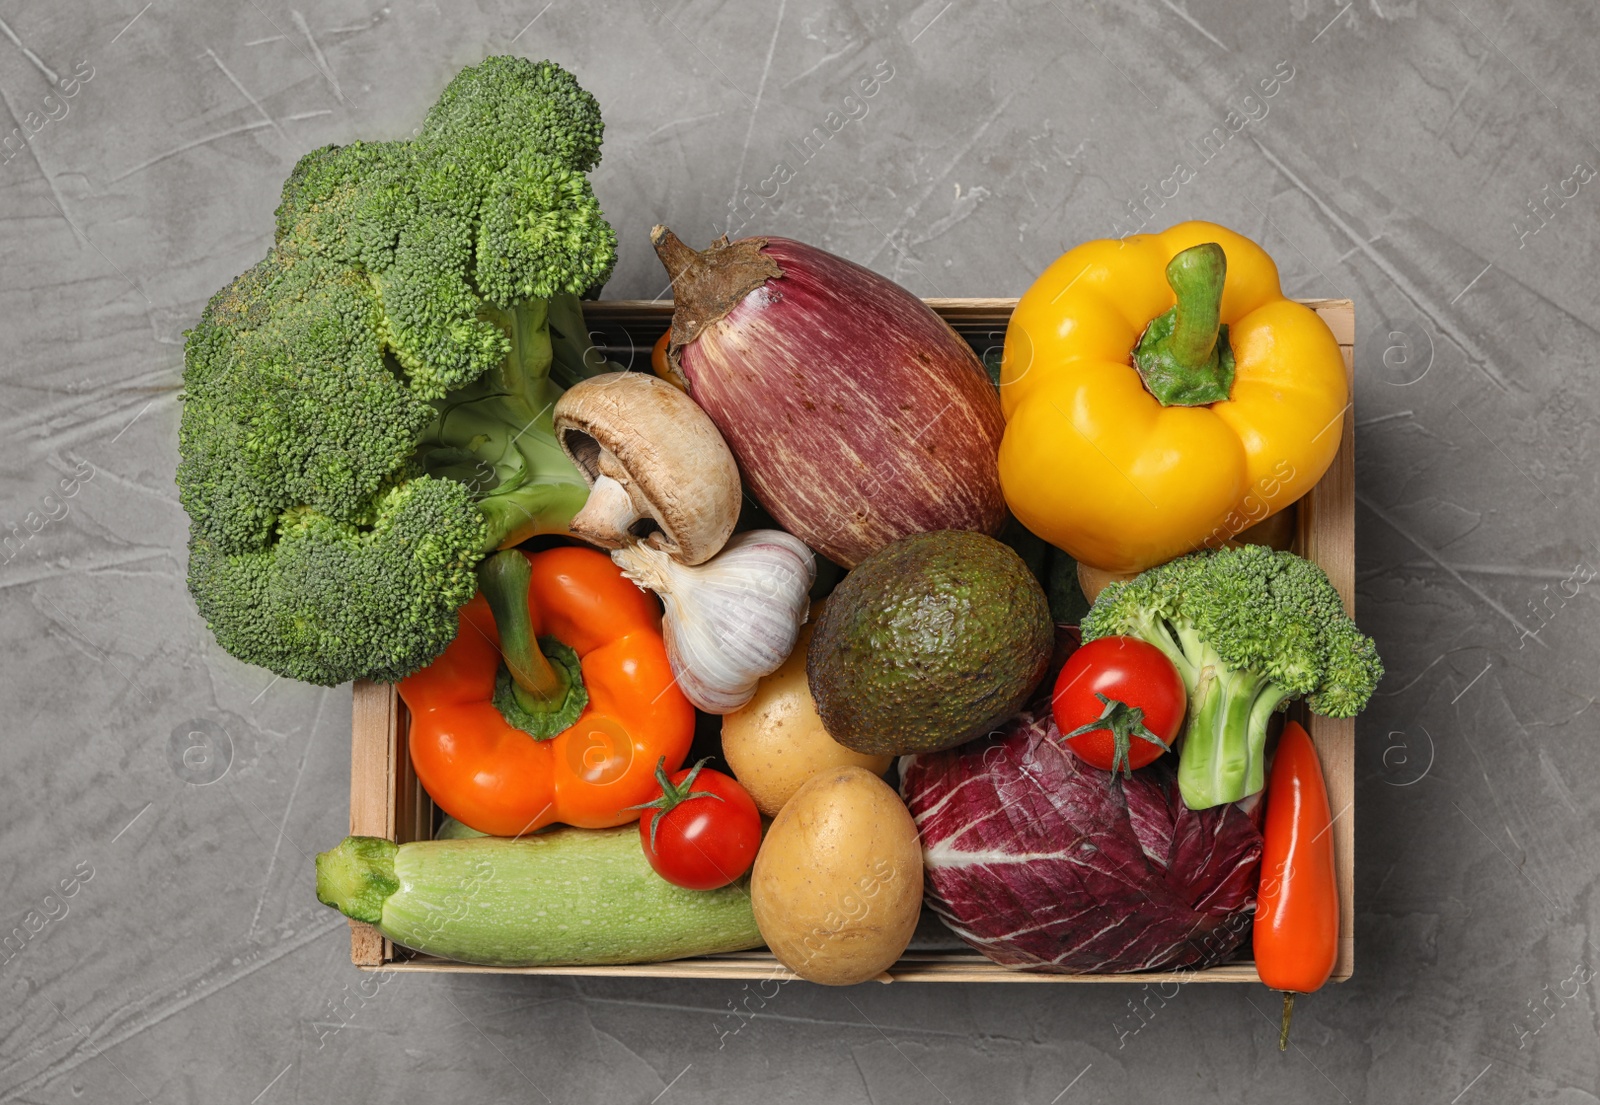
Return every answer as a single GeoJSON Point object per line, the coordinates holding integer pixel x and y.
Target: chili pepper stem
{"type": "Point", "coordinates": [1288, 1013]}
{"type": "Point", "coordinates": [540, 698]}
{"type": "Point", "coordinates": [1183, 356]}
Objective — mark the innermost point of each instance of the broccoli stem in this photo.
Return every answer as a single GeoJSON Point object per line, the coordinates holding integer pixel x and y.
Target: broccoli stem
{"type": "Point", "coordinates": [1183, 356]}
{"type": "Point", "coordinates": [574, 356]}
{"type": "Point", "coordinates": [497, 436]}
{"type": "Point", "coordinates": [1225, 741]}
{"type": "Point", "coordinates": [544, 490]}
{"type": "Point", "coordinates": [1181, 651]}
{"type": "Point", "coordinates": [526, 370]}
{"type": "Point", "coordinates": [539, 694]}
{"type": "Point", "coordinates": [530, 510]}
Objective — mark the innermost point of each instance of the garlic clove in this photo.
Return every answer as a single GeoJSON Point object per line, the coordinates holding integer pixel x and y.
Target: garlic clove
{"type": "Point", "coordinates": [731, 620]}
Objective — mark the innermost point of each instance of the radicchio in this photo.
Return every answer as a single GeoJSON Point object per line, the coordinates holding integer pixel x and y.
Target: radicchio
{"type": "Point", "coordinates": [1043, 863]}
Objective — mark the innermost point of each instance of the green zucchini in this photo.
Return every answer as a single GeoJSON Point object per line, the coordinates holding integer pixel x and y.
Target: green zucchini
{"type": "Point", "coordinates": [564, 897]}
{"type": "Point", "coordinates": [451, 829]}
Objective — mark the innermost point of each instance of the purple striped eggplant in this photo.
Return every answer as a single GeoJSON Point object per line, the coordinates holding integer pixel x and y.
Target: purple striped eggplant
{"type": "Point", "coordinates": [857, 416]}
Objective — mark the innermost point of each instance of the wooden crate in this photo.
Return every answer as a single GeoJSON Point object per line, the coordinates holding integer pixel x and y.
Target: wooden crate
{"type": "Point", "coordinates": [386, 799]}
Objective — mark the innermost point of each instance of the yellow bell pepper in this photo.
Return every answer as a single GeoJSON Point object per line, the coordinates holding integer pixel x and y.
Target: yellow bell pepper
{"type": "Point", "coordinates": [1161, 395]}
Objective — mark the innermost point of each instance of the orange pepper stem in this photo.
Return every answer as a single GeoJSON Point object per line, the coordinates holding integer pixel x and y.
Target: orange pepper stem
{"type": "Point", "coordinates": [535, 695]}
{"type": "Point", "coordinates": [1288, 1012]}
{"type": "Point", "coordinates": [1183, 356]}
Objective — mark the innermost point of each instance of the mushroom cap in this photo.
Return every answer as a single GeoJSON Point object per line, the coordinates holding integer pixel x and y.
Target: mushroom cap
{"type": "Point", "coordinates": [680, 479]}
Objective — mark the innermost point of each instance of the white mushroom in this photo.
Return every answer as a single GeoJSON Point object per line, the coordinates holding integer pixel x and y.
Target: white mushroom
{"type": "Point", "coordinates": [658, 470]}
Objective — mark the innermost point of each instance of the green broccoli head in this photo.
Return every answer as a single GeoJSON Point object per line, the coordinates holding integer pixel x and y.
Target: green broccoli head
{"type": "Point", "coordinates": [1264, 611]}
{"type": "Point", "coordinates": [1250, 630]}
{"type": "Point", "coordinates": [1258, 609]}
{"type": "Point", "coordinates": [408, 280]}
{"type": "Point", "coordinates": [489, 206]}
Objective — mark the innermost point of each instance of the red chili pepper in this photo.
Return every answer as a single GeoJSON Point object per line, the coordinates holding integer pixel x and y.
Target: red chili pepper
{"type": "Point", "coordinates": [1296, 932]}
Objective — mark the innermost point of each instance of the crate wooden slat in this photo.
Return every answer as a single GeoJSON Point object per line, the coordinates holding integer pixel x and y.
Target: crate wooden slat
{"type": "Point", "coordinates": [386, 799]}
{"type": "Point", "coordinates": [375, 791]}
{"type": "Point", "coordinates": [913, 967]}
{"type": "Point", "coordinates": [1327, 535]}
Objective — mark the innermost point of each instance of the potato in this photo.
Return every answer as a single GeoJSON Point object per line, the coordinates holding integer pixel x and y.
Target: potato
{"type": "Point", "coordinates": [837, 886]}
{"type": "Point", "coordinates": [776, 741]}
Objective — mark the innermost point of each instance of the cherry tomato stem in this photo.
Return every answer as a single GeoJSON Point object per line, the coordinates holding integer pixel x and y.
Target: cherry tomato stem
{"type": "Point", "coordinates": [699, 845]}
{"type": "Point", "coordinates": [1119, 703]}
{"type": "Point", "coordinates": [673, 795]}
{"type": "Point", "coordinates": [1124, 723]}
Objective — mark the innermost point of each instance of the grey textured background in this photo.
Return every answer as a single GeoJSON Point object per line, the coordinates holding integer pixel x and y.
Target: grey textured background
{"type": "Point", "coordinates": [192, 963]}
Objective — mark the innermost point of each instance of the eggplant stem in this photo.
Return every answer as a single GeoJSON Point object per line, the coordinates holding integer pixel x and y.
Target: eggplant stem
{"type": "Point", "coordinates": [707, 284]}
{"type": "Point", "coordinates": [674, 254]}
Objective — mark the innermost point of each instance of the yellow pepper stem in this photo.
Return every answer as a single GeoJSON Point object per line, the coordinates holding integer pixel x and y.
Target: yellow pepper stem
{"type": "Point", "coordinates": [1183, 356]}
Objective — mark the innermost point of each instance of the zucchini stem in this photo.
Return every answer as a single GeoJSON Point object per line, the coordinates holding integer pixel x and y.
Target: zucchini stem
{"type": "Point", "coordinates": [357, 877]}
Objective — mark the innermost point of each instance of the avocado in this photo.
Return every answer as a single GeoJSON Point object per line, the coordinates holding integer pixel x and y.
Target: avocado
{"type": "Point", "coordinates": [932, 641]}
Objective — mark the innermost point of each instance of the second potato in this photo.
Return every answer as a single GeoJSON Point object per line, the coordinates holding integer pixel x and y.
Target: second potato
{"type": "Point", "coordinates": [837, 885]}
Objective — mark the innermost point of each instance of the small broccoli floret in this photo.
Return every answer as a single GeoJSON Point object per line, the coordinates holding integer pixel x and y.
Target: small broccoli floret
{"type": "Point", "coordinates": [1353, 671]}
{"type": "Point", "coordinates": [366, 412]}
{"type": "Point", "coordinates": [541, 233]}
{"type": "Point", "coordinates": [505, 105]}
{"type": "Point", "coordinates": [430, 311]}
{"type": "Point", "coordinates": [1249, 630]}
{"type": "Point", "coordinates": [328, 602]}
{"type": "Point", "coordinates": [349, 202]}
{"type": "Point", "coordinates": [288, 402]}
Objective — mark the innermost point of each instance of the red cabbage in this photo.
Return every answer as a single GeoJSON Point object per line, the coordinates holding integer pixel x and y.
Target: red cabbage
{"type": "Point", "coordinates": [1040, 862]}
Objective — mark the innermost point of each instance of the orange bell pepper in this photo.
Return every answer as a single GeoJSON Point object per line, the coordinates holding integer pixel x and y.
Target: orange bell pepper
{"type": "Point", "coordinates": [503, 780]}
{"type": "Point", "coordinates": [1162, 395]}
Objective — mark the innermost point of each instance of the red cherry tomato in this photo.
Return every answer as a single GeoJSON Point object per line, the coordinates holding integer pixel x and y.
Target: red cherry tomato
{"type": "Point", "coordinates": [1119, 703]}
{"type": "Point", "coordinates": [704, 830]}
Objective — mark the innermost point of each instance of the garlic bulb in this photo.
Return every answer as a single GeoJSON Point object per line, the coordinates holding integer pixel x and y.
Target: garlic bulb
{"type": "Point", "coordinates": [734, 618]}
